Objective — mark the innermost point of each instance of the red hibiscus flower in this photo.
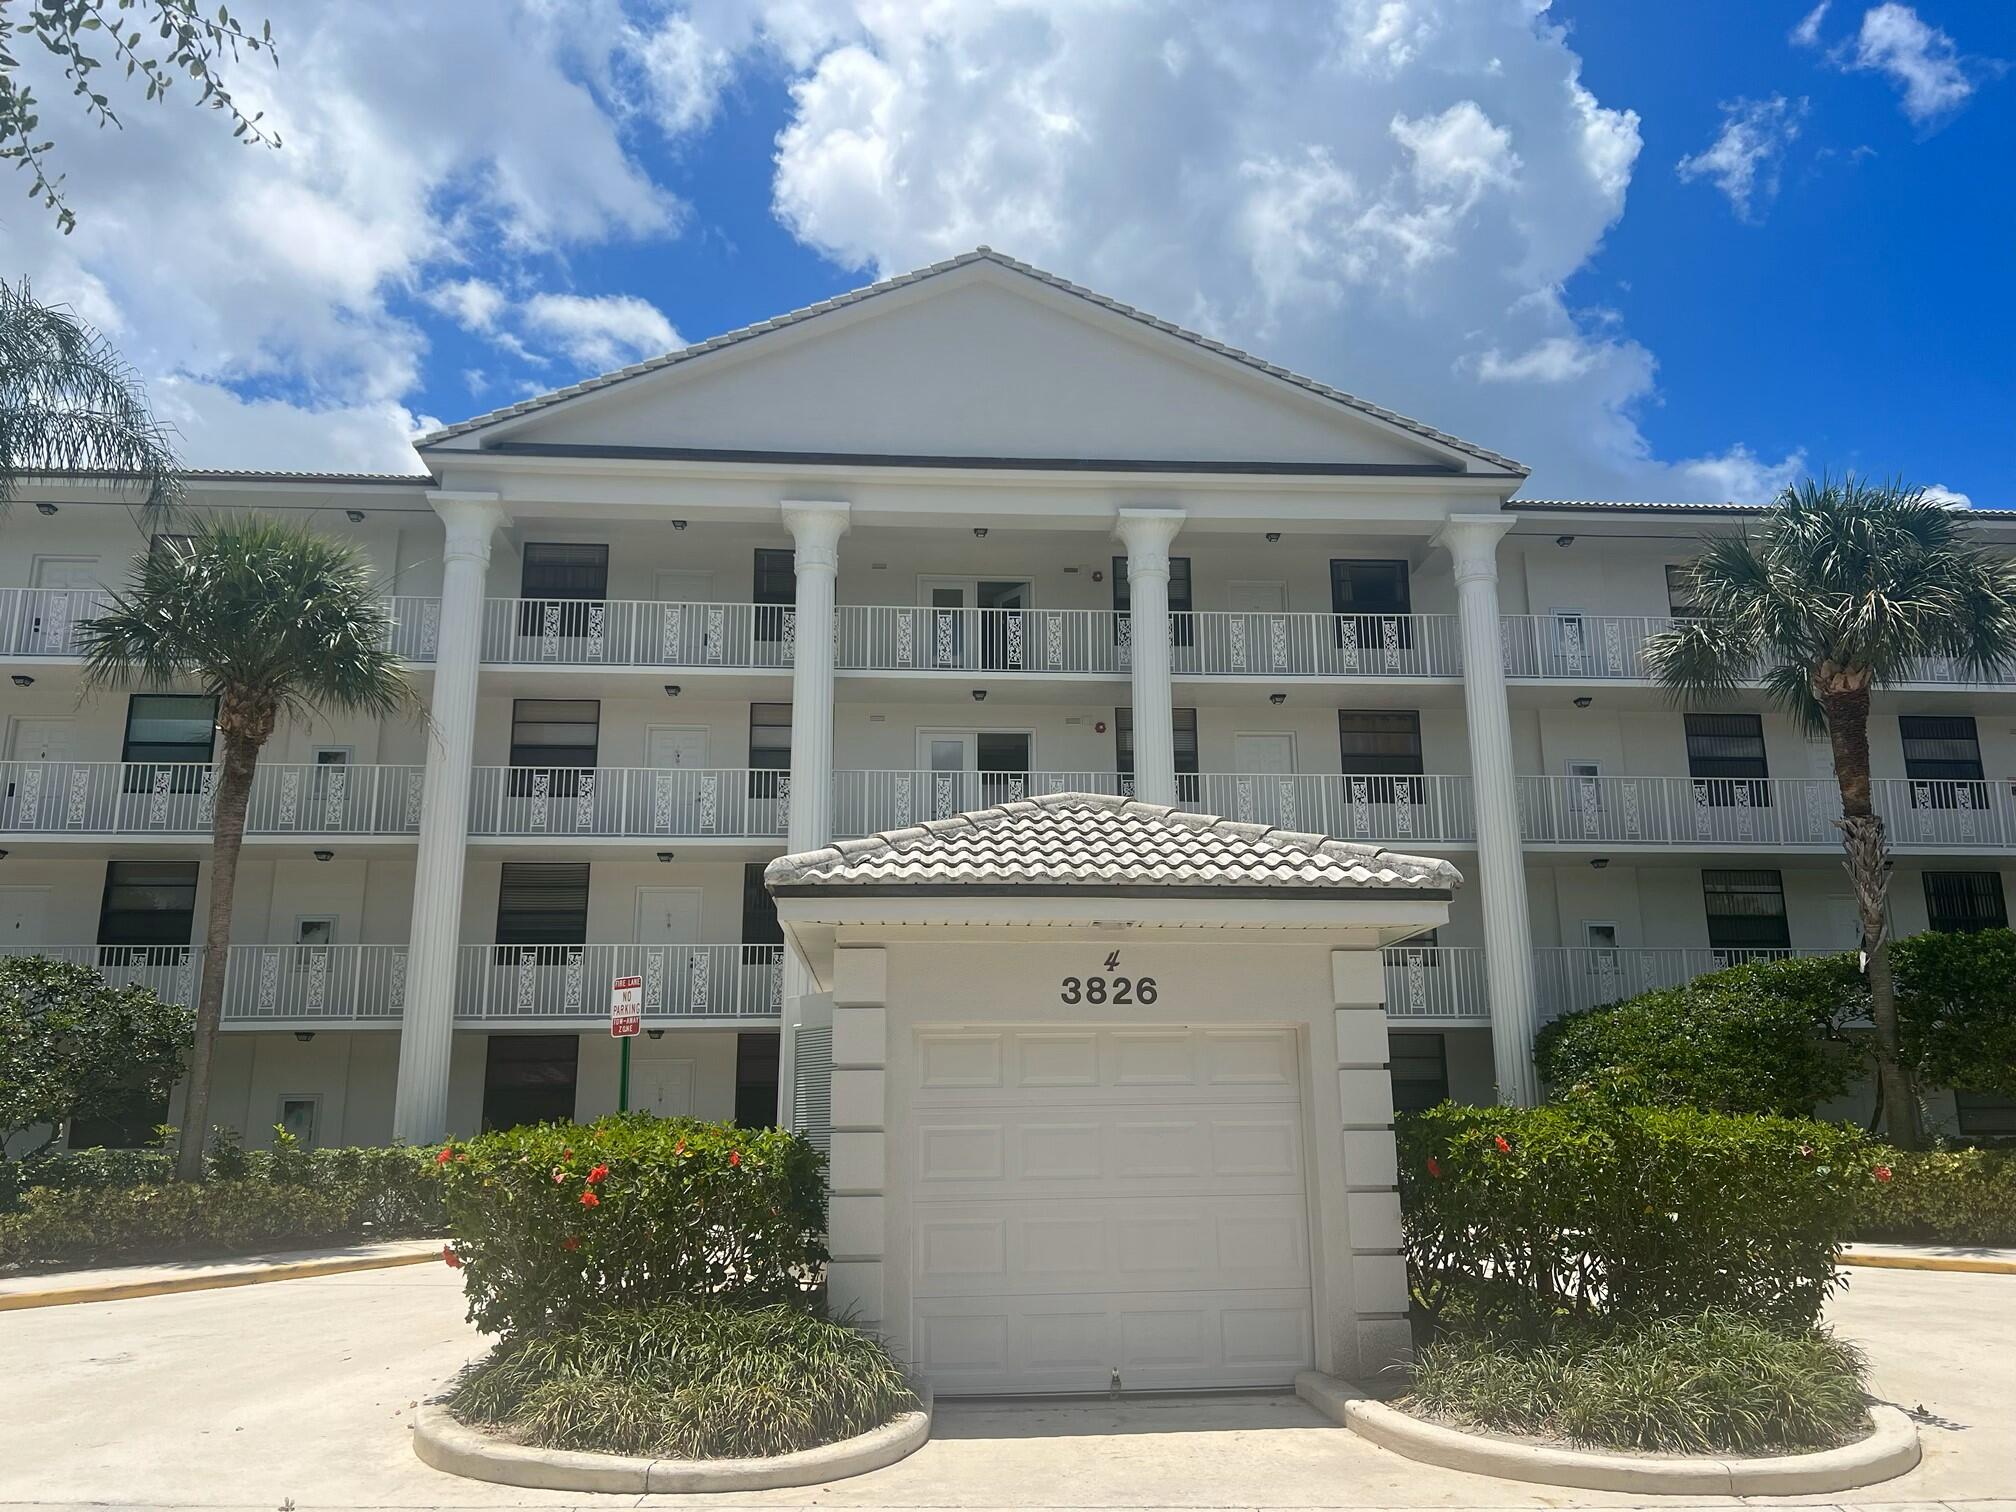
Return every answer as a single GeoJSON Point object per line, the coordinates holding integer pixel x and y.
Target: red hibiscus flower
{"type": "Point", "coordinates": [1499, 1140]}
{"type": "Point", "coordinates": [570, 1243]}
{"type": "Point", "coordinates": [447, 1154]}
{"type": "Point", "coordinates": [1434, 1167]}
{"type": "Point", "coordinates": [453, 1260]}
{"type": "Point", "coordinates": [589, 1199]}
{"type": "Point", "coordinates": [1881, 1173]}
{"type": "Point", "coordinates": [734, 1157]}
{"type": "Point", "coordinates": [597, 1174]}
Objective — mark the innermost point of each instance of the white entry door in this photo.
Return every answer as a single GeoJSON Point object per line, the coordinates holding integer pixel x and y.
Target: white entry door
{"type": "Point", "coordinates": [668, 915]}
{"type": "Point", "coordinates": [685, 587]}
{"type": "Point", "coordinates": [1090, 1204]}
{"type": "Point", "coordinates": [664, 1087]}
{"type": "Point", "coordinates": [668, 746]}
{"type": "Point", "coordinates": [1270, 755]}
{"type": "Point", "coordinates": [1256, 598]}
{"type": "Point", "coordinates": [24, 912]}
{"type": "Point", "coordinates": [57, 609]}
{"type": "Point", "coordinates": [44, 740]}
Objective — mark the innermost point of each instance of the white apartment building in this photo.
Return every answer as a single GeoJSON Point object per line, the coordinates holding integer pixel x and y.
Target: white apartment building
{"type": "Point", "coordinates": [969, 535]}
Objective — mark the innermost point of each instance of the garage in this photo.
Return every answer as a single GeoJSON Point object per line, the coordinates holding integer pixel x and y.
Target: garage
{"type": "Point", "coordinates": [1098, 1205]}
{"type": "Point", "coordinates": [1106, 1092]}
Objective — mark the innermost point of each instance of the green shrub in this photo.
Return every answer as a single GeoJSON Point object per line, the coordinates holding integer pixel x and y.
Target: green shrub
{"type": "Point", "coordinates": [1764, 1037]}
{"type": "Point", "coordinates": [1941, 1197]}
{"type": "Point", "coordinates": [1716, 1383]}
{"type": "Point", "coordinates": [1519, 1215]}
{"type": "Point", "coordinates": [552, 1219]}
{"type": "Point", "coordinates": [1956, 1009]}
{"type": "Point", "coordinates": [687, 1381]}
{"type": "Point", "coordinates": [89, 1226]}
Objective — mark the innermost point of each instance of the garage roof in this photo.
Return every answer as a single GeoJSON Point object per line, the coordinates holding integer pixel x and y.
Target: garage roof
{"type": "Point", "coordinates": [1078, 841]}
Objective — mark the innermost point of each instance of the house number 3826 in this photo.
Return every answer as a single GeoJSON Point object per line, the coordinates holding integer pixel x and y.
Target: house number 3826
{"type": "Point", "coordinates": [1109, 988]}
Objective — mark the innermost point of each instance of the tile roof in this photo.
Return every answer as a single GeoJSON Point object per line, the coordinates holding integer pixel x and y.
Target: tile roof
{"type": "Point", "coordinates": [1093, 840]}
{"type": "Point", "coordinates": [1635, 506]}
{"type": "Point", "coordinates": [979, 254]}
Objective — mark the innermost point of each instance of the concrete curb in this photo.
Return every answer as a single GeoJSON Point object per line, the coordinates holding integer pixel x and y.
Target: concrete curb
{"type": "Point", "coordinates": [250, 1275]}
{"type": "Point", "coordinates": [451, 1446]}
{"type": "Point", "coordinates": [1978, 1267]}
{"type": "Point", "coordinates": [1889, 1450]}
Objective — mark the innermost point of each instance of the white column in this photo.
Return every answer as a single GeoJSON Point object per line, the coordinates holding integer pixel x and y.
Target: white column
{"type": "Point", "coordinates": [427, 1029]}
{"type": "Point", "coordinates": [1472, 541]}
{"type": "Point", "coordinates": [1146, 533]}
{"type": "Point", "coordinates": [816, 527]}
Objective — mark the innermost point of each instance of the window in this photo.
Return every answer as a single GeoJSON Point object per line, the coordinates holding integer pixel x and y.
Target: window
{"type": "Point", "coordinates": [756, 1061]}
{"type": "Point", "coordinates": [1985, 1113]}
{"type": "Point", "coordinates": [315, 929]}
{"type": "Point", "coordinates": [170, 727]}
{"type": "Point", "coordinates": [543, 903]}
{"type": "Point", "coordinates": [298, 1116]}
{"type": "Point", "coordinates": [529, 1078]}
{"type": "Point", "coordinates": [555, 570]}
{"type": "Point", "coordinates": [1965, 902]}
{"type": "Point", "coordinates": [1746, 912]}
{"type": "Point", "coordinates": [1182, 628]}
{"type": "Point", "coordinates": [1183, 726]}
{"type": "Point", "coordinates": [759, 909]}
{"type": "Point", "coordinates": [1420, 1065]}
{"type": "Point", "coordinates": [769, 747]}
{"type": "Point", "coordinates": [1381, 743]}
{"type": "Point", "coordinates": [1943, 752]}
{"type": "Point", "coordinates": [147, 903]}
{"type": "Point", "coordinates": [332, 756]}
{"type": "Point", "coordinates": [775, 590]}
{"type": "Point", "coordinates": [1679, 594]}
{"type": "Point", "coordinates": [1370, 589]}
{"type": "Point", "coordinates": [1724, 749]}
{"type": "Point", "coordinates": [561, 735]}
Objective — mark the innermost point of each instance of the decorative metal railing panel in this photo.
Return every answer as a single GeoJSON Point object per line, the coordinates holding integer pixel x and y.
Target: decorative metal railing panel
{"type": "Point", "coordinates": [1436, 983]}
{"type": "Point", "coordinates": [162, 798]}
{"type": "Point", "coordinates": [638, 633]}
{"type": "Point", "coordinates": [561, 983]}
{"type": "Point", "coordinates": [632, 802]}
{"type": "Point", "coordinates": [1281, 644]}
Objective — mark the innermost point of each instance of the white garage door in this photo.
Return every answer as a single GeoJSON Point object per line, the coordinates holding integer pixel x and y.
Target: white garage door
{"type": "Point", "coordinates": [1086, 1202]}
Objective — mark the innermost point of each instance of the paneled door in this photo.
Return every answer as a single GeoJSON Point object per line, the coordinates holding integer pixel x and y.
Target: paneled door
{"type": "Point", "coordinates": [24, 913]}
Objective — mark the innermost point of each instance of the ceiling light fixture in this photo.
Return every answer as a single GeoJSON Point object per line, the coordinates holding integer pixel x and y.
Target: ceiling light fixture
{"type": "Point", "coordinates": [979, 695]}
{"type": "Point", "coordinates": [1564, 540]}
{"type": "Point", "coordinates": [1273, 536]}
{"type": "Point", "coordinates": [666, 855]}
{"type": "Point", "coordinates": [354, 516]}
{"type": "Point", "coordinates": [671, 690]}
{"type": "Point", "coordinates": [1600, 863]}
{"type": "Point", "coordinates": [304, 1035]}
{"type": "Point", "coordinates": [45, 507]}
{"type": "Point", "coordinates": [979, 532]}
{"type": "Point", "coordinates": [1584, 701]}
{"type": "Point", "coordinates": [678, 524]}
{"type": "Point", "coordinates": [1277, 698]}
{"type": "Point", "coordinates": [325, 855]}
{"type": "Point", "coordinates": [23, 680]}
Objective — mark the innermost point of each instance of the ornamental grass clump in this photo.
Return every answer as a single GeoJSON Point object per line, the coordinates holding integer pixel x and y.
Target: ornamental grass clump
{"type": "Point", "coordinates": [687, 1380]}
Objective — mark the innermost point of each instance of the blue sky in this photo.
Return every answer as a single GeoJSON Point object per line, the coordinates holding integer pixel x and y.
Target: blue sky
{"type": "Point", "coordinates": [1676, 250]}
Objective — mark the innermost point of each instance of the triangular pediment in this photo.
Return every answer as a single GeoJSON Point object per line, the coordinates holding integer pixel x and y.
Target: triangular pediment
{"type": "Point", "coordinates": [977, 358]}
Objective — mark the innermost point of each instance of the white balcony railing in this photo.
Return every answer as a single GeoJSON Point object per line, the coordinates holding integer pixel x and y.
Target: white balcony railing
{"type": "Point", "coordinates": [639, 802]}
{"type": "Point", "coordinates": [560, 983]}
{"type": "Point", "coordinates": [1745, 811]}
{"type": "Point", "coordinates": [315, 983]}
{"type": "Point", "coordinates": [1436, 983]}
{"type": "Point", "coordinates": [1923, 814]}
{"type": "Point", "coordinates": [1421, 809]}
{"type": "Point", "coordinates": [416, 627]}
{"type": "Point", "coordinates": [868, 802]}
{"type": "Point", "coordinates": [40, 622]}
{"type": "Point", "coordinates": [303, 799]}
{"type": "Point", "coordinates": [1570, 978]}
{"type": "Point", "coordinates": [637, 633]}
{"type": "Point", "coordinates": [1579, 647]}
{"type": "Point", "coordinates": [1283, 644]}
{"type": "Point", "coordinates": [161, 798]}
{"type": "Point", "coordinates": [908, 638]}
{"type": "Point", "coordinates": [171, 972]}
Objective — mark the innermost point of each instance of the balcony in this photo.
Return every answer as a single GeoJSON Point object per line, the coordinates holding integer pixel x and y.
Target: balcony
{"type": "Point", "coordinates": [1441, 986]}
{"type": "Point", "coordinates": [569, 984]}
{"type": "Point", "coordinates": [170, 972]}
{"type": "Point", "coordinates": [41, 624]}
{"type": "Point", "coordinates": [629, 803]}
{"type": "Point", "coordinates": [140, 798]}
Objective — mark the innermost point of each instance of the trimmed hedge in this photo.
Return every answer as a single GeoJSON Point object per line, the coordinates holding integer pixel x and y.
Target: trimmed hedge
{"type": "Point", "coordinates": [1763, 1037]}
{"type": "Point", "coordinates": [551, 1220]}
{"type": "Point", "coordinates": [687, 1381]}
{"type": "Point", "coordinates": [1941, 1197]}
{"type": "Point", "coordinates": [1956, 1008]}
{"type": "Point", "coordinates": [1517, 1216]}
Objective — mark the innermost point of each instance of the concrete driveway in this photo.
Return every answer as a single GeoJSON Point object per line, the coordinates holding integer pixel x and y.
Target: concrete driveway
{"type": "Point", "coordinates": [301, 1390]}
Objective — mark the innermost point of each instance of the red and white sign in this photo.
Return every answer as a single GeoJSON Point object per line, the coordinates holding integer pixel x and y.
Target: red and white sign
{"type": "Point", "coordinates": [626, 1007]}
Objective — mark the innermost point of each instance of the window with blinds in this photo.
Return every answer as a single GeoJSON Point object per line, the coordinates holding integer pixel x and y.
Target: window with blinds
{"type": "Point", "coordinates": [1965, 902]}
{"type": "Point", "coordinates": [147, 904]}
{"type": "Point", "coordinates": [769, 747]}
{"type": "Point", "coordinates": [1725, 757]}
{"type": "Point", "coordinates": [773, 589]}
{"type": "Point", "coordinates": [1363, 592]}
{"type": "Point", "coordinates": [559, 735]}
{"type": "Point", "coordinates": [1420, 1071]}
{"type": "Point", "coordinates": [1942, 752]}
{"type": "Point", "coordinates": [1680, 593]}
{"type": "Point", "coordinates": [1182, 603]}
{"type": "Point", "coordinates": [1183, 726]}
{"type": "Point", "coordinates": [759, 909]}
{"type": "Point", "coordinates": [563, 570]}
{"type": "Point", "coordinates": [1746, 912]}
{"type": "Point", "coordinates": [543, 903]}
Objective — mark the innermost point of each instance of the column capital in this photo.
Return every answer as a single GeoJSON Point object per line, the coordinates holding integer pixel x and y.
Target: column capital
{"type": "Point", "coordinates": [1147, 535]}
{"type": "Point", "coordinates": [470, 520]}
{"type": "Point", "coordinates": [816, 526]}
{"type": "Point", "coordinates": [1472, 543]}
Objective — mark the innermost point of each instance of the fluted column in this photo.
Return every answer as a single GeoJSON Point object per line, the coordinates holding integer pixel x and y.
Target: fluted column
{"type": "Point", "coordinates": [427, 1029]}
{"type": "Point", "coordinates": [1146, 533]}
{"type": "Point", "coordinates": [1472, 541]}
{"type": "Point", "coordinates": [816, 527]}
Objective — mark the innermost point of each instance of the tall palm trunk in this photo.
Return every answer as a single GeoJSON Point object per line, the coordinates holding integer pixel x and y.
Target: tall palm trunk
{"type": "Point", "coordinates": [1868, 863]}
{"type": "Point", "coordinates": [233, 794]}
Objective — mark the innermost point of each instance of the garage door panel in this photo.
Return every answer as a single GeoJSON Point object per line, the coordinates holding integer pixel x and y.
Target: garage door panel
{"type": "Point", "coordinates": [978, 1067]}
{"type": "Point", "coordinates": [1031, 1153]}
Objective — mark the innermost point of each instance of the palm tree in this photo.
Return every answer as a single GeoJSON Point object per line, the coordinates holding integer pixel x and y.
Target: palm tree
{"type": "Point", "coordinates": [68, 404]}
{"type": "Point", "coordinates": [275, 622]}
{"type": "Point", "coordinates": [1844, 586]}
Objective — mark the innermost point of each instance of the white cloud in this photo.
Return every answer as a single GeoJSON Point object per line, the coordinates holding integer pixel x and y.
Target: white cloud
{"type": "Point", "coordinates": [1745, 158]}
{"type": "Point", "coordinates": [1807, 32]}
{"type": "Point", "coordinates": [472, 303]}
{"type": "Point", "coordinates": [602, 331]}
{"type": "Point", "coordinates": [1557, 359]}
{"type": "Point", "coordinates": [218, 428]}
{"type": "Point", "coordinates": [1939, 493]}
{"type": "Point", "coordinates": [1738, 476]}
{"type": "Point", "coordinates": [1920, 60]}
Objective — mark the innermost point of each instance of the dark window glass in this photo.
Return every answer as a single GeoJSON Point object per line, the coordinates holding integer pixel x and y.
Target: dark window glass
{"type": "Point", "coordinates": [1182, 629]}
{"type": "Point", "coordinates": [560, 570]}
{"type": "Point", "coordinates": [1965, 902]}
{"type": "Point", "coordinates": [1368, 587]}
{"type": "Point", "coordinates": [148, 903]}
{"type": "Point", "coordinates": [1746, 911]}
{"type": "Point", "coordinates": [1420, 1071]}
{"type": "Point", "coordinates": [775, 590]}
{"type": "Point", "coordinates": [1679, 599]}
{"type": "Point", "coordinates": [759, 909]}
{"type": "Point", "coordinates": [562, 735]}
{"type": "Point", "coordinates": [170, 727]}
{"type": "Point", "coordinates": [543, 903]}
{"type": "Point", "coordinates": [1379, 742]}
{"type": "Point", "coordinates": [529, 1078]}
{"type": "Point", "coordinates": [769, 747]}
{"type": "Point", "coordinates": [1183, 728]}
{"type": "Point", "coordinates": [756, 1061]}
{"type": "Point", "coordinates": [128, 1123]}
{"type": "Point", "coordinates": [1985, 1113]}
{"type": "Point", "coordinates": [1941, 748]}
{"type": "Point", "coordinates": [1723, 749]}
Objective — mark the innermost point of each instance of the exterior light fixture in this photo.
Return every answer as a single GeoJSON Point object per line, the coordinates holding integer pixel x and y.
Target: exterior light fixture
{"type": "Point", "coordinates": [45, 507]}
{"type": "Point", "coordinates": [1600, 863]}
{"type": "Point", "coordinates": [354, 516]}
{"type": "Point", "coordinates": [1564, 540]}
{"type": "Point", "coordinates": [671, 690]}
{"type": "Point", "coordinates": [1277, 698]}
{"type": "Point", "coordinates": [4, 855]}
{"type": "Point", "coordinates": [23, 680]}
{"type": "Point", "coordinates": [1584, 701]}
{"type": "Point", "coordinates": [1273, 536]}
{"type": "Point", "coordinates": [666, 855]}
{"type": "Point", "coordinates": [304, 1035]}
{"type": "Point", "coordinates": [325, 855]}
{"type": "Point", "coordinates": [979, 695]}
{"type": "Point", "coordinates": [979, 532]}
{"type": "Point", "coordinates": [678, 525]}
{"type": "Point", "coordinates": [655, 1034]}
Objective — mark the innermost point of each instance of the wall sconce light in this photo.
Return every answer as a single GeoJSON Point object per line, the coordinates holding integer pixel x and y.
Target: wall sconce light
{"type": "Point", "coordinates": [1564, 540]}
{"type": "Point", "coordinates": [304, 1035]}
{"type": "Point", "coordinates": [656, 1034]}
{"type": "Point", "coordinates": [354, 516]}
{"type": "Point", "coordinates": [1584, 701]}
{"type": "Point", "coordinates": [671, 690]}
{"type": "Point", "coordinates": [666, 855]}
{"type": "Point", "coordinates": [1277, 698]}
{"type": "Point", "coordinates": [5, 854]}
{"type": "Point", "coordinates": [979, 532]}
{"type": "Point", "coordinates": [23, 680]}
{"type": "Point", "coordinates": [1600, 863]}
{"type": "Point", "coordinates": [43, 506]}
{"type": "Point", "coordinates": [979, 695]}
{"type": "Point", "coordinates": [678, 524]}
{"type": "Point", "coordinates": [325, 855]}
{"type": "Point", "coordinates": [1273, 537]}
